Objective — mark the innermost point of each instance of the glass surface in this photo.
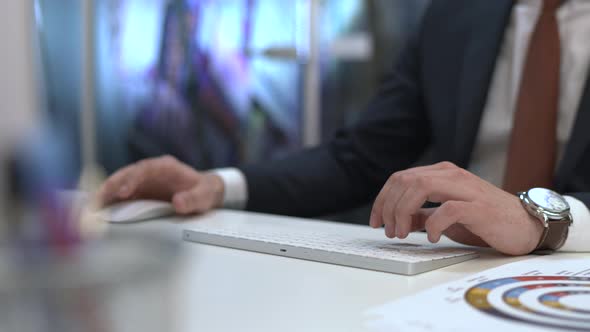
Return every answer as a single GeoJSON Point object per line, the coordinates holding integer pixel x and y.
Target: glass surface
{"type": "Point", "coordinates": [548, 200]}
{"type": "Point", "coordinates": [122, 283]}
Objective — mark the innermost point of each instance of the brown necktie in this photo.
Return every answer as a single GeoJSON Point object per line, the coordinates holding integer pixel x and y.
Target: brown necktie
{"type": "Point", "coordinates": [533, 143]}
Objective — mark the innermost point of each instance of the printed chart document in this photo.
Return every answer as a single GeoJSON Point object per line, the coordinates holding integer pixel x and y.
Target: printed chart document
{"type": "Point", "coordinates": [541, 294]}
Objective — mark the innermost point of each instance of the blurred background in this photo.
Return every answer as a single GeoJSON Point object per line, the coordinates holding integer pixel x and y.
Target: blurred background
{"type": "Point", "coordinates": [217, 83]}
{"type": "Point", "coordinates": [214, 83]}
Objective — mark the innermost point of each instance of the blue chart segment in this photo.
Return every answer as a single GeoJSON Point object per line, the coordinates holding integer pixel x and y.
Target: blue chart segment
{"type": "Point", "coordinates": [546, 301]}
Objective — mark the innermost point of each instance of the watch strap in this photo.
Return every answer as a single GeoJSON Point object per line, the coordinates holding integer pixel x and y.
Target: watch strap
{"type": "Point", "coordinates": [553, 237]}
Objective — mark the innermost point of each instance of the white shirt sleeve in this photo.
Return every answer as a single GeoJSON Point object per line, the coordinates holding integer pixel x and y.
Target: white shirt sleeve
{"type": "Point", "coordinates": [235, 195]}
{"type": "Point", "coordinates": [579, 233]}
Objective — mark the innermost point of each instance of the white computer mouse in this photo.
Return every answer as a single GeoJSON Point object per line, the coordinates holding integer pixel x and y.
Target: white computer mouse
{"type": "Point", "coordinates": [135, 211]}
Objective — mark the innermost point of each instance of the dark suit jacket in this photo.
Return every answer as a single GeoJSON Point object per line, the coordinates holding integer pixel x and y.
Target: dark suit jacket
{"type": "Point", "coordinates": [432, 101]}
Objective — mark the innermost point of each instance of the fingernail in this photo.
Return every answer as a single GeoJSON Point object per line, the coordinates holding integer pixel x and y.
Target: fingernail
{"type": "Point", "coordinates": [372, 219]}
{"type": "Point", "coordinates": [432, 239]}
{"type": "Point", "coordinates": [389, 233]}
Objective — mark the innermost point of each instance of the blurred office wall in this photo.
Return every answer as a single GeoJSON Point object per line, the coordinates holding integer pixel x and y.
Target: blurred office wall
{"type": "Point", "coordinates": [191, 78]}
{"type": "Point", "coordinates": [350, 81]}
{"type": "Point", "coordinates": [216, 83]}
{"type": "Point", "coordinates": [18, 93]}
{"type": "Point", "coordinates": [59, 27]}
{"type": "Point", "coordinates": [18, 87]}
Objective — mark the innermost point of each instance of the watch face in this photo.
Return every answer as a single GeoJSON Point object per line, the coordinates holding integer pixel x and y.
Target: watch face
{"type": "Point", "coordinates": [548, 200]}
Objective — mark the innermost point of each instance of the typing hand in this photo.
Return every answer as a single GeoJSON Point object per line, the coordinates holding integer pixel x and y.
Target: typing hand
{"type": "Point", "coordinates": [472, 212]}
{"type": "Point", "coordinates": [166, 179]}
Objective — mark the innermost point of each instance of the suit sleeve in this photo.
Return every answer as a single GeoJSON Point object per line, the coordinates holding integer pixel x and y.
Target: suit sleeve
{"type": "Point", "coordinates": [349, 170]}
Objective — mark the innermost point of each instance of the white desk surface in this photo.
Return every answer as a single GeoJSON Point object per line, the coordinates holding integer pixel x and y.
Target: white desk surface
{"type": "Point", "coordinates": [221, 289]}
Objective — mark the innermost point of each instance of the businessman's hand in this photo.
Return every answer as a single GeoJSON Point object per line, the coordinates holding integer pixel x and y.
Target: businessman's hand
{"type": "Point", "coordinates": [473, 211]}
{"type": "Point", "coordinates": [167, 179]}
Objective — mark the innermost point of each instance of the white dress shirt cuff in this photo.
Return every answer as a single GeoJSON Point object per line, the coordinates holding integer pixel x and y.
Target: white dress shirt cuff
{"type": "Point", "coordinates": [235, 194]}
{"type": "Point", "coordinates": [579, 233]}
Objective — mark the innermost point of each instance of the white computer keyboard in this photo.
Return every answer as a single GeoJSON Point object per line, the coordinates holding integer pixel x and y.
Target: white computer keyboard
{"type": "Point", "coordinates": [384, 255]}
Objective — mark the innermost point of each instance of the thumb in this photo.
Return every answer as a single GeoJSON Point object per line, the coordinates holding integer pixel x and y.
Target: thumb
{"type": "Point", "coordinates": [191, 201]}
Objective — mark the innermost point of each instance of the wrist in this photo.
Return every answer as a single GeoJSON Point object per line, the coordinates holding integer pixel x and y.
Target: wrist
{"type": "Point", "coordinates": [235, 188]}
{"type": "Point", "coordinates": [217, 188]}
{"type": "Point", "coordinates": [530, 230]}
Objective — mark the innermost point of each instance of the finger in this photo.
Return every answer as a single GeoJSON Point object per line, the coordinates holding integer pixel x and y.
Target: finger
{"type": "Point", "coordinates": [410, 203]}
{"type": "Point", "coordinates": [435, 185]}
{"type": "Point", "coordinates": [403, 184]}
{"type": "Point", "coordinates": [418, 222]}
{"type": "Point", "coordinates": [109, 191]}
{"type": "Point", "coordinates": [390, 231]}
{"type": "Point", "coordinates": [399, 185]}
{"type": "Point", "coordinates": [192, 201]}
{"type": "Point", "coordinates": [419, 219]}
{"type": "Point", "coordinates": [390, 205]}
{"type": "Point", "coordinates": [376, 219]}
{"type": "Point", "coordinates": [405, 210]}
{"type": "Point", "coordinates": [133, 181]}
{"type": "Point", "coordinates": [386, 201]}
{"type": "Point", "coordinates": [449, 214]}
{"type": "Point", "coordinates": [377, 211]}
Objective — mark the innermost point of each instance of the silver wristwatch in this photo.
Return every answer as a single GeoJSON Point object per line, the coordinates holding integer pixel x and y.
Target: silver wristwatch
{"type": "Point", "coordinates": [553, 211]}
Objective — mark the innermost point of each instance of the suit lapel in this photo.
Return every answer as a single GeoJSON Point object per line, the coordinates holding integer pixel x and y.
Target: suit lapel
{"type": "Point", "coordinates": [486, 35]}
{"type": "Point", "coordinates": [578, 141]}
